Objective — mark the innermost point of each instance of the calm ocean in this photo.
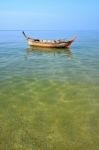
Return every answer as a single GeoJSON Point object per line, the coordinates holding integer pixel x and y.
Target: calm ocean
{"type": "Point", "coordinates": [49, 99]}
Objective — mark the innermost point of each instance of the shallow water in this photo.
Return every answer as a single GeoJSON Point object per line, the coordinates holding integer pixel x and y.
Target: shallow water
{"type": "Point", "coordinates": [49, 99]}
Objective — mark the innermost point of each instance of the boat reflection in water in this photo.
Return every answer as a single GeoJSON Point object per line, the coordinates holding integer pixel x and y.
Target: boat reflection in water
{"type": "Point", "coordinates": [60, 51]}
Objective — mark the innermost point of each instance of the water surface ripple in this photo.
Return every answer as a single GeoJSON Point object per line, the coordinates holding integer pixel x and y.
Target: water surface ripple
{"type": "Point", "coordinates": [49, 98]}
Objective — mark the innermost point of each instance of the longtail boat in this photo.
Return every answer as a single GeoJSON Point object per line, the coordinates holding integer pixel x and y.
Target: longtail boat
{"type": "Point", "coordinates": [49, 43]}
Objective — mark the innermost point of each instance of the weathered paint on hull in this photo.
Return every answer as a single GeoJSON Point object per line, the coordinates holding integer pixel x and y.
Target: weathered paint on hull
{"type": "Point", "coordinates": [44, 43]}
{"type": "Point", "coordinates": [50, 45]}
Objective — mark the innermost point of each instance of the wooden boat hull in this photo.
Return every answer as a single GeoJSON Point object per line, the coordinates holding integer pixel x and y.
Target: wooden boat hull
{"type": "Point", "coordinates": [47, 44]}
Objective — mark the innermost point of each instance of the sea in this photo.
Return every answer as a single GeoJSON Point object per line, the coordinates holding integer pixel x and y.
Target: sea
{"type": "Point", "coordinates": [49, 98]}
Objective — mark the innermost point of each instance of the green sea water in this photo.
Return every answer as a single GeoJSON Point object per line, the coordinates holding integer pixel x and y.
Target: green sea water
{"type": "Point", "coordinates": [49, 99]}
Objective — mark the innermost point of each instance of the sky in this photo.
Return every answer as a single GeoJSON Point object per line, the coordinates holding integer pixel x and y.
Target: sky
{"type": "Point", "coordinates": [49, 15]}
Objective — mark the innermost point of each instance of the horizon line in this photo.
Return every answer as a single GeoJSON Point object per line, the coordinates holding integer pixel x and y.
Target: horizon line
{"type": "Point", "coordinates": [49, 29]}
